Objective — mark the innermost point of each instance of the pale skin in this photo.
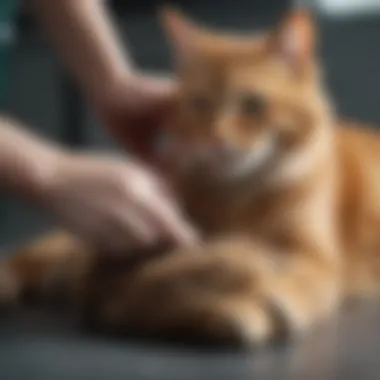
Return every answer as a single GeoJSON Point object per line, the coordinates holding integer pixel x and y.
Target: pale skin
{"type": "Point", "coordinates": [117, 204]}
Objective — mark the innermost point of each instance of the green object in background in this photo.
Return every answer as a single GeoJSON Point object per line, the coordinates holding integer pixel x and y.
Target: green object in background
{"type": "Point", "coordinates": [8, 9]}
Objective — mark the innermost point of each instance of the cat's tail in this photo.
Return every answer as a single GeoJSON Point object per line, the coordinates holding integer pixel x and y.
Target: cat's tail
{"type": "Point", "coordinates": [44, 268]}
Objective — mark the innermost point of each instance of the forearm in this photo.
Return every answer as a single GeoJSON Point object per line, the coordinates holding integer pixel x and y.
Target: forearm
{"type": "Point", "coordinates": [26, 162]}
{"type": "Point", "coordinates": [84, 34]}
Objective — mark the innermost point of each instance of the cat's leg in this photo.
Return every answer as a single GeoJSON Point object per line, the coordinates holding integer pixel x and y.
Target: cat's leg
{"type": "Point", "coordinates": [301, 288]}
{"type": "Point", "coordinates": [53, 264]}
{"type": "Point", "coordinates": [232, 292]}
{"type": "Point", "coordinates": [305, 289]}
{"type": "Point", "coordinates": [198, 293]}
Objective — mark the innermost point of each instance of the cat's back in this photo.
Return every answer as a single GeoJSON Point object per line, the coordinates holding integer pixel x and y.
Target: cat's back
{"type": "Point", "coordinates": [359, 137]}
{"type": "Point", "coordinates": [358, 147]}
{"type": "Point", "coordinates": [358, 151]}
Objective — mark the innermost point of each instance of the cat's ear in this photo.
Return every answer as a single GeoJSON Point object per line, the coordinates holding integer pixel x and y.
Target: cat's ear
{"type": "Point", "coordinates": [181, 31]}
{"type": "Point", "coordinates": [295, 39]}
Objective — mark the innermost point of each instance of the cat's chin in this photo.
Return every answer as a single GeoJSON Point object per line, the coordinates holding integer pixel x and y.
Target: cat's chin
{"type": "Point", "coordinates": [231, 169]}
{"type": "Point", "coordinates": [226, 172]}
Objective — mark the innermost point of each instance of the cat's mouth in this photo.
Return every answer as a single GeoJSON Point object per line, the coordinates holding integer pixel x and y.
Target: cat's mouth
{"type": "Point", "coordinates": [238, 165]}
{"type": "Point", "coordinates": [225, 162]}
{"type": "Point", "coordinates": [233, 163]}
{"type": "Point", "coordinates": [258, 157]}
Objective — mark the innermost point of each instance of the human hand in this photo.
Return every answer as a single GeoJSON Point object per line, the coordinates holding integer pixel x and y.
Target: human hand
{"type": "Point", "coordinates": [115, 204]}
{"type": "Point", "coordinates": [136, 112]}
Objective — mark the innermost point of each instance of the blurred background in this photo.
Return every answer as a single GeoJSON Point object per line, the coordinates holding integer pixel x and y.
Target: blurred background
{"type": "Point", "coordinates": [42, 95]}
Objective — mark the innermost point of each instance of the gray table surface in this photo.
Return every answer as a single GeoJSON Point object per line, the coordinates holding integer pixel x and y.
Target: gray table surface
{"type": "Point", "coordinates": [40, 346]}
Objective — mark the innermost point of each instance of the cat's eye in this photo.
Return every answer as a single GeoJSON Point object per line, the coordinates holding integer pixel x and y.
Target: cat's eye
{"type": "Point", "coordinates": [252, 104]}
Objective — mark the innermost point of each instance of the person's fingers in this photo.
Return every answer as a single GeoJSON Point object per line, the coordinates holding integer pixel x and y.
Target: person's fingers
{"type": "Point", "coordinates": [122, 231]}
{"type": "Point", "coordinates": [171, 222]}
{"type": "Point", "coordinates": [129, 227]}
{"type": "Point", "coordinates": [142, 112]}
{"type": "Point", "coordinates": [157, 86]}
{"type": "Point", "coordinates": [138, 226]}
{"type": "Point", "coordinates": [147, 191]}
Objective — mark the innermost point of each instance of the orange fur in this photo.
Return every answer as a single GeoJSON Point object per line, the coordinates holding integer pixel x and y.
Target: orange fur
{"type": "Point", "coordinates": [287, 199]}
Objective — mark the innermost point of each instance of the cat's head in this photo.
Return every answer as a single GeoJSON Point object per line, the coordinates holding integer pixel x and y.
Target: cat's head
{"type": "Point", "coordinates": [245, 101]}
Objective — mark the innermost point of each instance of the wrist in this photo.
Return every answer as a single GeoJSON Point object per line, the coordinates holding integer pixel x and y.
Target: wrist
{"type": "Point", "coordinates": [109, 90]}
{"type": "Point", "coordinates": [117, 91]}
{"type": "Point", "coordinates": [33, 167]}
{"type": "Point", "coordinates": [133, 93]}
{"type": "Point", "coordinates": [27, 164]}
{"type": "Point", "coordinates": [41, 174]}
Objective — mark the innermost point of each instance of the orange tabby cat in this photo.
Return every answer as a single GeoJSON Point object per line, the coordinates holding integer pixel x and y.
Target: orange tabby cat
{"type": "Point", "coordinates": [287, 199]}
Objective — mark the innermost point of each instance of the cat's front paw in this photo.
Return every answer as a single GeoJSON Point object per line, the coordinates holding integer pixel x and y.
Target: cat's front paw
{"type": "Point", "coordinates": [292, 300]}
{"type": "Point", "coordinates": [230, 293]}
